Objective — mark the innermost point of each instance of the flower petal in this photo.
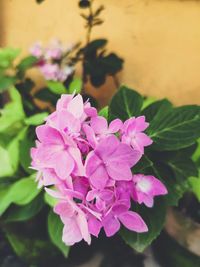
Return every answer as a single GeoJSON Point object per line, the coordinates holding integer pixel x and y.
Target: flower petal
{"type": "Point", "coordinates": [133, 222]}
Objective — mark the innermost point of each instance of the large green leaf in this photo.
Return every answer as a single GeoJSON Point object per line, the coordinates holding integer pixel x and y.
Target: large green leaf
{"type": "Point", "coordinates": [154, 218]}
{"type": "Point", "coordinates": [176, 129]}
{"type": "Point", "coordinates": [125, 104]}
{"type": "Point", "coordinates": [55, 229]}
{"type": "Point", "coordinates": [24, 213]}
{"type": "Point", "coordinates": [156, 110]}
{"type": "Point", "coordinates": [21, 192]}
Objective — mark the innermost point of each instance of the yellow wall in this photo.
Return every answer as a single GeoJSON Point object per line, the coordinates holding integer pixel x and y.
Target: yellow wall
{"type": "Point", "coordinates": [159, 39]}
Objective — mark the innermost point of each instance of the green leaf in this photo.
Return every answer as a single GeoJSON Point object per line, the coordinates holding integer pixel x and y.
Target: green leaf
{"type": "Point", "coordinates": [25, 64]}
{"type": "Point", "coordinates": [45, 95]}
{"type": "Point", "coordinates": [156, 110]}
{"type": "Point", "coordinates": [36, 119]}
{"type": "Point", "coordinates": [24, 213]}
{"type": "Point", "coordinates": [104, 112]}
{"type": "Point", "coordinates": [12, 114]}
{"type": "Point", "coordinates": [75, 86]}
{"type": "Point", "coordinates": [148, 101]}
{"type": "Point", "coordinates": [20, 193]}
{"type": "Point", "coordinates": [7, 55]}
{"type": "Point", "coordinates": [176, 129]}
{"type": "Point", "coordinates": [56, 87]}
{"type": "Point", "coordinates": [51, 201]}
{"type": "Point", "coordinates": [194, 183]}
{"type": "Point", "coordinates": [13, 149]}
{"type": "Point", "coordinates": [196, 155]}
{"type": "Point", "coordinates": [24, 151]}
{"type": "Point", "coordinates": [125, 104]}
{"type": "Point", "coordinates": [55, 229]}
{"type": "Point", "coordinates": [6, 82]}
{"type": "Point", "coordinates": [154, 218]}
{"type": "Point", "coordinates": [6, 166]}
{"type": "Point", "coordinates": [143, 163]}
{"type": "Point", "coordinates": [32, 250]}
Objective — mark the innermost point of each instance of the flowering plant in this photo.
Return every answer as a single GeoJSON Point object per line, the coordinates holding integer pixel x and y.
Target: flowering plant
{"type": "Point", "coordinates": [89, 162]}
{"type": "Point", "coordinates": [76, 134]}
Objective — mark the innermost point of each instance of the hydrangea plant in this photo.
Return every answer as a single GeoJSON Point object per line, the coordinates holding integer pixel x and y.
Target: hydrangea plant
{"type": "Point", "coordinates": [121, 160]}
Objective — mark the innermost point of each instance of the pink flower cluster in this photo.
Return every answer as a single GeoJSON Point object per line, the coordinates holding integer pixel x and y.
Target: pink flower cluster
{"type": "Point", "coordinates": [88, 163]}
{"type": "Point", "coordinates": [50, 60]}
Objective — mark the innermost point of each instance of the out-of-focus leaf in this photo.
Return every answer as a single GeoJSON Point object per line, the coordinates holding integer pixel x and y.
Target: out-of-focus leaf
{"type": "Point", "coordinates": [6, 82]}
{"type": "Point", "coordinates": [7, 55]}
{"type": "Point", "coordinates": [26, 63]}
{"type": "Point", "coordinates": [51, 201]}
{"type": "Point", "coordinates": [56, 87]}
{"type": "Point", "coordinates": [36, 119]}
{"type": "Point", "coordinates": [104, 112]}
{"type": "Point", "coordinates": [20, 193]}
{"type": "Point", "coordinates": [55, 229]}
{"type": "Point", "coordinates": [24, 213]}
{"type": "Point", "coordinates": [75, 86]}
{"type": "Point", "coordinates": [194, 183]}
{"type": "Point", "coordinates": [12, 114]}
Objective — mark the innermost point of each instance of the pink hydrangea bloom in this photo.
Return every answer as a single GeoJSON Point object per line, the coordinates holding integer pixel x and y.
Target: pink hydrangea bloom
{"type": "Point", "coordinates": [89, 164]}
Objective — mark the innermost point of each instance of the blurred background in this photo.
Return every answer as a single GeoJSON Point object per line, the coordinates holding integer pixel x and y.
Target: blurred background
{"type": "Point", "coordinates": [158, 39]}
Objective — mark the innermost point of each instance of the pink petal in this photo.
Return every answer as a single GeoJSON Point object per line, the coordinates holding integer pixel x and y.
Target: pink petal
{"type": "Point", "coordinates": [107, 147]}
{"type": "Point", "coordinates": [94, 226]}
{"type": "Point", "coordinates": [137, 124]}
{"type": "Point", "coordinates": [115, 126]}
{"type": "Point", "coordinates": [92, 163]}
{"type": "Point", "coordinates": [99, 124]}
{"type": "Point", "coordinates": [111, 226]}
{"type": "Point", "coordinates": [83, 226]}
{"type": "Point", "coordinates": [67, 122]}
{"type": "Point", "coordinates": [64, 209]}
{"type": "Point", "coordinates": [133, 222]}
{"type": "Point", "coordinates": [63, 164]}
{"type": "Point", "coordinates": [125, 154]}
{"type": "Point", "coordinates": [76, 155]}
{"type": "Point", "coordinates": [99, 177]}
{"type": "Point", "coordinates": [90, 135]}
{"type": "Point", "coordinates": [75, 106]}
{"type": "Point", "coordinates": [71, 232]}
{"type": "Point", "coordinates": [48, 135]}
{"type": "Point", "coordinates": [119, 171]}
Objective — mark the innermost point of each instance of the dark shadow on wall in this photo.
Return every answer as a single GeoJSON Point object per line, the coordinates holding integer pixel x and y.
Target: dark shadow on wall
{"type": "Point", "coordinates": [2, 30]}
